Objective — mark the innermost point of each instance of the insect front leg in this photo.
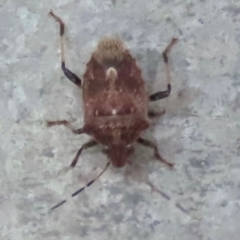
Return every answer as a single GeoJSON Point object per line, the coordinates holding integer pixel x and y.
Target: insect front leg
{"type": "Point", "coordinates": [166, 93]}
{"type": "Point", "coordinates": [70, 75]}
{"type": "Point", "coordinates": [84, 147]}
{"type": "Point", "coordinates": [152, 145]}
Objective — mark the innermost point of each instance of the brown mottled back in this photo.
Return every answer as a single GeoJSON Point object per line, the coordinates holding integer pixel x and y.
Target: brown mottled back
{"type": "Point", "coordinates": [114, 96]}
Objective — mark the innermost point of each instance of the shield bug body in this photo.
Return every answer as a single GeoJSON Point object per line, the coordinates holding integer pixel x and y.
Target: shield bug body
{"type": "Point", "coordinates": [115, 101]}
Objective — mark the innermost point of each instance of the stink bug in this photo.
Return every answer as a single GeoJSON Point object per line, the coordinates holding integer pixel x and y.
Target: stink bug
{"type": "Point", "coordinates": [115, 101]}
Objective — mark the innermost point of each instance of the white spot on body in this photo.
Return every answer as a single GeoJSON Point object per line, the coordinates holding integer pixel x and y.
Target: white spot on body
{"type": "Point", "coordinates": [91, 74]}
{"type": "Point", "coordinates": [114, 112]}
{"type": "Point", "coordinates": [105, 147]}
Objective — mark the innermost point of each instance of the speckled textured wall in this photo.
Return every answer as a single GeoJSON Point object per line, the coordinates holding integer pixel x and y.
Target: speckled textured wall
{"type": "Point", "coordinates": [199, 132]}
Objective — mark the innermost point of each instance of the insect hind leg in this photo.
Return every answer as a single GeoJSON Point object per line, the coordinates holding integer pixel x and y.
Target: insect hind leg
{"type": "Point", "coordinates": [152, 145]}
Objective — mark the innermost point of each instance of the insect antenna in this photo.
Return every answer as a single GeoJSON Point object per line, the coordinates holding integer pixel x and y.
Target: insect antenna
{"type": "Point", "coordinates": [81, 189]}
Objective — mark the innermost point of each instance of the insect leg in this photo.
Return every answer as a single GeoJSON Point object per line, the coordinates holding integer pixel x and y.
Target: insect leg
{"type": "Point", "coordinates": [81, 189]}
{"type": "Point", "coordinates": [166, 93]}
{"type": "Point", "coordinates": [152, 145]}
{"type": "Point", "coordinates": [59, 122]}
{"type": "Point", "coordinates": [70, 75]}
{"type": "Point", "coordinates": [66, 124]}
{"type": "Point", "coordinates": [84, 146]}
{"type": "Point", "coordinates": [153, 114]}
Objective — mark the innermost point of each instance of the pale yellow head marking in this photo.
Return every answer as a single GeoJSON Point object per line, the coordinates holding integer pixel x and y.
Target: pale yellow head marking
{"type": "Point", "coordinates": [111, 73]}
{"type": "Point", "coordinates": [111, 76]}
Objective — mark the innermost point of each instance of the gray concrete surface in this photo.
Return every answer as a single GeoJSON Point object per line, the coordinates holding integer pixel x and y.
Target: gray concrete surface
{"type": "Point", "coordinates": [199, 133]}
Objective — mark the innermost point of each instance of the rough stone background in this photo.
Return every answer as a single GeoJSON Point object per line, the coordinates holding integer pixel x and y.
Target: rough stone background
{"type": "Point", "coordinates": [199, 133]}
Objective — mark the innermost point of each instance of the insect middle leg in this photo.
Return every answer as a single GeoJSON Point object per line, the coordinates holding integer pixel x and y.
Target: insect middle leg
{"type": "Point", "coordinates": [152, 145]}
{"type": "Point", "coordinates": [70, 75]}
{"type": "Point", "coordinates": [163, 94]}
{"type": "Point", "coordinates": [66, 124]}
{"type": "Point", "coordinates": [153, 114]}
